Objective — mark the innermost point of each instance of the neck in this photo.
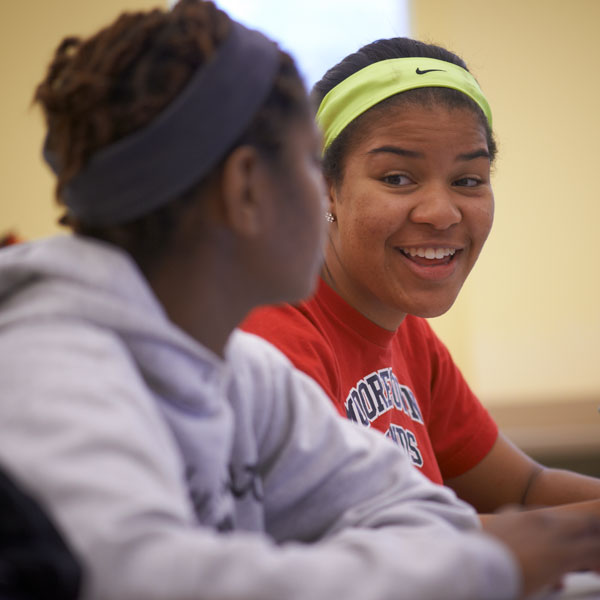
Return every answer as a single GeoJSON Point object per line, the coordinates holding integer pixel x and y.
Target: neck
{"type": "Point", "coordinates": [361, 299]}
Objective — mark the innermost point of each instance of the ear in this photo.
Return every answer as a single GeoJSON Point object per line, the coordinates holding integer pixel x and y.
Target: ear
{"type": "Point", "coordinates": [243, 191]}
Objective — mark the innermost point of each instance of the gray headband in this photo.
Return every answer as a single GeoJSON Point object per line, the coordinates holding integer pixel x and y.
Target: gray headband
{"type": "Point", "coordinates": [141, 172]}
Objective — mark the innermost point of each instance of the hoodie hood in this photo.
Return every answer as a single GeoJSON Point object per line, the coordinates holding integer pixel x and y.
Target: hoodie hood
{"type": "Point", "coordinates": [77, 280]}
{"type": "Point", "coordinates": [73, 277]}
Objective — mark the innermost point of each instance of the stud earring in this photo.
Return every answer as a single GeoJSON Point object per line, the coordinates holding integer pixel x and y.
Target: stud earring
{"type": "Point", "coordinates": [329, 217]}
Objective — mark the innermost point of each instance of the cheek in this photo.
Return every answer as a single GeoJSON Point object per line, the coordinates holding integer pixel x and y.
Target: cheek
{"type": "Point", "coordinates": [365, 223]}
{"type": "Point", "coordinates": [486, 219]}
{"type": "Point", "coordinates": [362, 241]}
{"type": "Point", "coordinates": [480, 217]}
{"type": "Point", "coordinates": [376, 221]}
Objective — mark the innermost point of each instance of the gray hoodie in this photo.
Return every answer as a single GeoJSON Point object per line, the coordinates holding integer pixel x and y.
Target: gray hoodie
{"type": "Point", "coordinates": [178, 475]}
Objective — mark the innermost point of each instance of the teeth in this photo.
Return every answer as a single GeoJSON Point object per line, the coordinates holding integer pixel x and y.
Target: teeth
{"type": "Point", "coordinates": [430, 253]}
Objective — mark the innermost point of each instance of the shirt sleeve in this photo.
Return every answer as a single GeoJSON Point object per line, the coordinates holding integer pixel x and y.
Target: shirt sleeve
{"type": "Point", "coordinates": [462, 431]}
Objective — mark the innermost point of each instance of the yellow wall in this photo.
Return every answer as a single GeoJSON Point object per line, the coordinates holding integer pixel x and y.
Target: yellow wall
{"type": "Point", "coordinates": [29, 33]}
{"type": "Point", "coordinates": [527, 325]}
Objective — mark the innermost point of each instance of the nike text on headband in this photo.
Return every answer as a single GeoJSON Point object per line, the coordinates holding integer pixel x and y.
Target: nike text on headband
{"type": "Point", "coordinates": [143, 171]}
{"type": "Point", "coordinates": [369, 86]}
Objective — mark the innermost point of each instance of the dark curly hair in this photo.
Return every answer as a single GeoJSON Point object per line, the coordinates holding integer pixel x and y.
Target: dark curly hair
{"type": "Point", "coordinates": [384, 49]}
{"type": "Point", "coordinates": [103, 88]}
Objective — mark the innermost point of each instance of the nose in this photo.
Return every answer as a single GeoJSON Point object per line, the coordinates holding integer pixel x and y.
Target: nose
{"type": "Point", "coordinates": [436, 206]}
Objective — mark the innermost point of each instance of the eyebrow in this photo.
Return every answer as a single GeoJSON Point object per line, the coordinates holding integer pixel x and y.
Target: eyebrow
{"type": "Point", "coordinates": [473, 155]}
{"type": "Point", "coordinates": [481, 153]}
{"type": "Point", "coordinates": [396, 150]}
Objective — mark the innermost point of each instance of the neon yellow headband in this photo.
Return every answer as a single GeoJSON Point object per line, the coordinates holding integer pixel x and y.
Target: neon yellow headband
{"type": "Point", "coordinates": [369, 86]}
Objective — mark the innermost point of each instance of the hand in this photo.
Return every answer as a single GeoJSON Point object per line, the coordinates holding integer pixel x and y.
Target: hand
{"type": "Point", "coordinates": [548, 544]}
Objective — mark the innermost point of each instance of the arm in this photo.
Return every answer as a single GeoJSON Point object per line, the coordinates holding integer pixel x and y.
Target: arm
{"type": "Point", "coordinates": [508, 476]}
{"type": "Point", "coordinates": [85, 436]}
{"type": "Point", "coordinates": [324, 494]}
{"type": "Point", "coordinates": [342, 482]}
{"type": "Point", "coordinates": [497, 473]}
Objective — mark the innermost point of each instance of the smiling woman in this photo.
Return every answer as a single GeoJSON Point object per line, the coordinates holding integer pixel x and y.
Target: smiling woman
{"type": "Point", "coordinates": [408, 147]}
{"type": "Point", "coordinates": [407, 160]}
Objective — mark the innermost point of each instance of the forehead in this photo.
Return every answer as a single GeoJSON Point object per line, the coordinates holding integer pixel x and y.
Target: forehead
{"type": "Point", "coordinates": [411, 122]}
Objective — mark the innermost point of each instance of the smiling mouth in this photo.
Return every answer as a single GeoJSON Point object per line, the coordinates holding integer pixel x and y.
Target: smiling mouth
{"type": "Point", "coordinates": [430, 256]}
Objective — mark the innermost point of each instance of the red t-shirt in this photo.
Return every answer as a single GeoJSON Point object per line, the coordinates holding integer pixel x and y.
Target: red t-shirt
{"type": "Point", "coordinates": [403, 383]}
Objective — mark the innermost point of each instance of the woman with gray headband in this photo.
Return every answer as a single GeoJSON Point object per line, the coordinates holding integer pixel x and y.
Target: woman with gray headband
{"type": "Point", "coordinates": [184, 459]}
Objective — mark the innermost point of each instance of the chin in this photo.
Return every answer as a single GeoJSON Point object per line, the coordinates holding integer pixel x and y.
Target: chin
{"type": "Point", "coordinates": [430, 310]}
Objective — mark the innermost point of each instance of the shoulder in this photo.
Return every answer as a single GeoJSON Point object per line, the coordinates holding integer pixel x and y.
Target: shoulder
{"type": "Point", "coordinates": [67, 372]}
{"type": "Point", "coordinates": [259, 362]}
{"type": "Point", "coordinates": [302, 336]}
{"type": "Point", "coordinates": [50, 337]}
{"type": "Point", "coordinates": [267, 383]}
{"type": "Point", "coordinates": [71, 389]}
{"type": "Point", "coordinates": [283, 321]}
{"type": "Point", "coordinates": [258, 368]}
{"type": "Point", "coordinates": [249, 350]}
{"type": "Point", "coordinates": [43, 346]}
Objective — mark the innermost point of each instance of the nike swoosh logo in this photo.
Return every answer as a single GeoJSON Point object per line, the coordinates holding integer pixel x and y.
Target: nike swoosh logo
{"type": "Point", "coordinates": [419, 72]}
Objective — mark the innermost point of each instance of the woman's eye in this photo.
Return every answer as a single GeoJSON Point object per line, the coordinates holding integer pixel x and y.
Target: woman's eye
{"type": "Point", "coordinates": [467, 182]}
{"type": "Point", "coordinates": [397, 179]}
